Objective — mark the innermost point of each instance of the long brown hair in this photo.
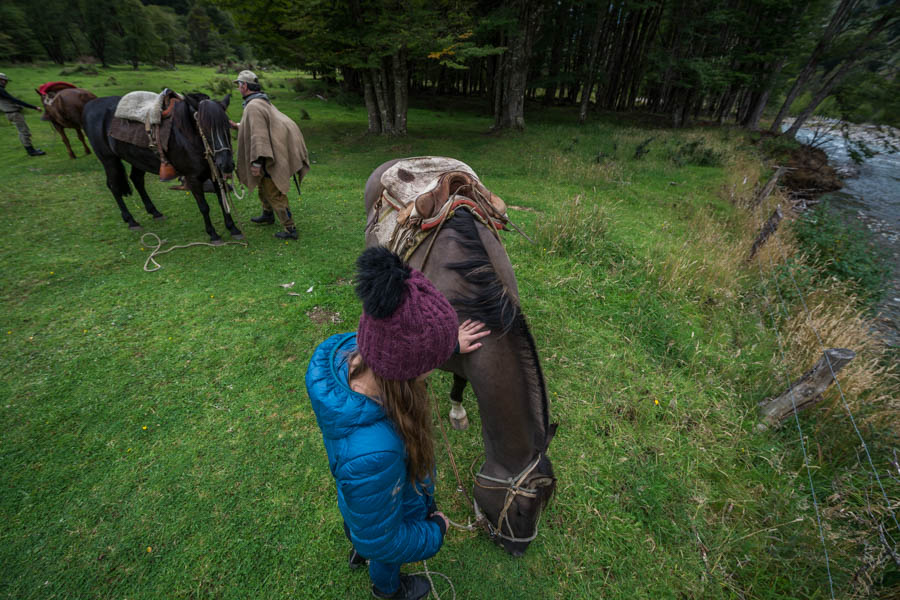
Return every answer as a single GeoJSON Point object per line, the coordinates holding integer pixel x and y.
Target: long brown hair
{"type": "Point", "coordinates": [406, 405]}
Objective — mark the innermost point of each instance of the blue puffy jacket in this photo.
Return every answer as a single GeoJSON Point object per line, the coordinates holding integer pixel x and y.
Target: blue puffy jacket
{"type": "Point", "coordinates": [386, 514]}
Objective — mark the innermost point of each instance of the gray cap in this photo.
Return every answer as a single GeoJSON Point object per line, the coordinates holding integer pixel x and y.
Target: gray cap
{"type": "Point", "coordinates": [247, 77]}
{"type": "Point", "coordinates": [4, 77]}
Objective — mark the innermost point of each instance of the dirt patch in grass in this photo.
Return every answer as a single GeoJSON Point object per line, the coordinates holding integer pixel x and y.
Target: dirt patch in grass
{"type": "Point", "coordinates": [321, 315]}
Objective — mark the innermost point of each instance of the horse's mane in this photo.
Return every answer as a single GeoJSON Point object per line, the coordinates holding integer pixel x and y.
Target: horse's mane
{"type": "Point", "coordinates": [492, 303]}
{"type": "Point", "coordinates": [213, 120]}
{"type": "Point", "coordinates": [183, 115]}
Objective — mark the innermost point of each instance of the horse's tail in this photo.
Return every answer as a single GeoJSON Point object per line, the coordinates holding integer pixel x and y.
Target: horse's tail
{"type": "Point", "coordinates": [95, 118]}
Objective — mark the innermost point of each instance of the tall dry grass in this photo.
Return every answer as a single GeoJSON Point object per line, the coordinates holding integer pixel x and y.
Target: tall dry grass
{"type": "Point", "coordinates": [830, 316]}
{"type": "Point", "coordinates": [814, 314]}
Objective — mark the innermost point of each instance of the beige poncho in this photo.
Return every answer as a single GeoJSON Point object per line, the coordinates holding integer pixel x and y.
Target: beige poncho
{"type": "Point", "coordinates": [266, 132]}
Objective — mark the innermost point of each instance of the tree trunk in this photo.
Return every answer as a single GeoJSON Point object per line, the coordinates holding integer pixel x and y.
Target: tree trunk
{"type": "Point", "coordinates": [761, 98]}
{"type": "Point", "coordinates": [511, 113]}
{"type": "Point", "coordinates": [401, 90]}
{"type": "Point", "coordinates": [843, 71]}
{"type": "Point", "coordinates": [559, 38]}
{"type": "Point", "coordinates": [592, 65]}
{"type": "Point", "coordinates": [838, 19]}
{"type": "Point", "coordinates": [371, 103]}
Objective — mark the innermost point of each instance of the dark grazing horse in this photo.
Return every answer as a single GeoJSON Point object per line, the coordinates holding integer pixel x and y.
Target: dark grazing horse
{"type": "Point", "coordinates": [469, 265]}
{"type": "Point", "coordinates": [62, 108]}
{"type": "Point", "coordinates": [186, 151]}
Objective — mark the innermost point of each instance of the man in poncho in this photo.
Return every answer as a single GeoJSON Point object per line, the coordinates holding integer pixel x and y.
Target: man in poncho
{"type": "Point", "coordinates": [271, 151]}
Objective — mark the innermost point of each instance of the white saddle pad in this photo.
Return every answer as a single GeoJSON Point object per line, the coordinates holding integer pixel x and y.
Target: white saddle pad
{"type": "Point", "coordinates": [409, 178]}
{"type": "Point", "coordinates": [143, 107]}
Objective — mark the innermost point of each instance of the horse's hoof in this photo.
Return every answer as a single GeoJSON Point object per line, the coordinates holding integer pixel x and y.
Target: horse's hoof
{"type": "Point", "coordinates": [135, 227]}
{"type": "Point", "coordinates": [218, 242]}
{"type": "Point", "coordinates": [160, 217]}
{"type": "Point", "coordinates": [237, 236]}
{"type": "Point", "coordinates": [459, 424]}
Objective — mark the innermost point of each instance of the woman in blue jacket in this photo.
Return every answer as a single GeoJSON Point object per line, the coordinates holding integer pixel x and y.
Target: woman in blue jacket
{"type": "Point", "coordinates": [368, 392]}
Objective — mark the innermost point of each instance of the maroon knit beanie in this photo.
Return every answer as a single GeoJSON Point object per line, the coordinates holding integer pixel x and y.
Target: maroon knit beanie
{"type": "Point", "coordinates": [407, 327]}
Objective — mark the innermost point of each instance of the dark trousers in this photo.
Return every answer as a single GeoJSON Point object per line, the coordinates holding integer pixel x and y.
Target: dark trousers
{"type": "Point", "coordinates": [385, 577]}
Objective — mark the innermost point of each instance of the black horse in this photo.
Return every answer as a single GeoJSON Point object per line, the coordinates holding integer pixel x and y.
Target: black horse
{"type": "Point", "coordinates": [469, 265]}
{"type": "Point", "coordinates": [186, 151]}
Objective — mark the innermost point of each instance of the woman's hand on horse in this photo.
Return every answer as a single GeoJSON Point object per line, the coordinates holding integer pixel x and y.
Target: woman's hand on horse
{"type": "Point", "coordinates": [469, 334]}
{"type": "Point", "coordinates": [233, 124]}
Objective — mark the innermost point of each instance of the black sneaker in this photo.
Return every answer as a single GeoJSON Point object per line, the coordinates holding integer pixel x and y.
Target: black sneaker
{"type": "Point", "coordinates": [266, 218]}
{"type": "Point", "coordinates": [34, 151]}
{"type": "Point", "coordinates": [356, 560]}
{"type": "Point", "coordinates": [290, 234]}
{"type": "Point", "coordinates": [412, 587]}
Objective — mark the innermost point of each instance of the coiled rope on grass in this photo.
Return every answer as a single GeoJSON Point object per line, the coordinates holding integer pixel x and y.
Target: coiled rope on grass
{"type": "Point", "coordinates": [156, 251]}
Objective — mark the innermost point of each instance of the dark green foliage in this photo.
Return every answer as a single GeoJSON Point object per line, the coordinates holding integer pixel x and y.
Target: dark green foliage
{"type": "Point", "coordinates": [843, 250]}
{"type": "Point", "coordinates": [777, 147]}
{"type": "Point", "coordinates": [695, 152]}
{"type": "Point", "coordinates": [642, 149]}
{"type": "Point", "coordinates": [220, 86]}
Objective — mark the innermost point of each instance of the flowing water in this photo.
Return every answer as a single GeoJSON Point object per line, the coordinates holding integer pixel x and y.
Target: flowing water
{"type": "Point", "coordinates": [871, 195]}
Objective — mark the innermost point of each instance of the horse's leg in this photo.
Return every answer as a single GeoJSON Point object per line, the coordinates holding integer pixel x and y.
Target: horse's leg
{"type": "Point", "coordinates": [458, 418]}
{"type": "Point", "coordinates": [117, 182]}
{"type": "Point", "coordinates": [59, 129]}
{"type": "Point", "coordinates": [137, 178]}
{"type": "Point", "coordinates": [81, 139]}
{"type": "Point", "coordinates": [196, 186]}
{"type": "Point", "coordinates": [229, 221]}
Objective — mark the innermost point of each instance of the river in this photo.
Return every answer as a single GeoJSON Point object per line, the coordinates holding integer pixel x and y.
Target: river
{"type": "Point", "coordinates": [871, 195]}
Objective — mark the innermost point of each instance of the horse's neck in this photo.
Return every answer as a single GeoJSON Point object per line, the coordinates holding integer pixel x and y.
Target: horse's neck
{"type": "Point", "coordinates": [512, 417]}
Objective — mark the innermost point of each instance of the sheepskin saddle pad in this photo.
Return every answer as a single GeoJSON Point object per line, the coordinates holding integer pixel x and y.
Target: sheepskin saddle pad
{"type": "Point", "coordinates": [144, 107]}
{"type": "Point", "coordinates": [424, 188]}
{"type": "Point", "coordinates": [421, 193]}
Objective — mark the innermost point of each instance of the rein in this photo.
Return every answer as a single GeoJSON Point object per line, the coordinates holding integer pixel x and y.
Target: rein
{"type": "Point", "coordinates": [210, 155]}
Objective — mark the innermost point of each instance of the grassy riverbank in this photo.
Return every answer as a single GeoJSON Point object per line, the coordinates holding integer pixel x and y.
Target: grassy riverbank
{"type": "Point", "coordinates": [156, 436]}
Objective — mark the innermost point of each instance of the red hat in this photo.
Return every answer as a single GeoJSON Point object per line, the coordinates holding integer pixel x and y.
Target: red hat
{"type": "Point", "coordinates": [407, 327]}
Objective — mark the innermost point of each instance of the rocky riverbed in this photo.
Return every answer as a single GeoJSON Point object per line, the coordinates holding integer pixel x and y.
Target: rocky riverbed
{"type": "Point", "coordinates": [871, 195]}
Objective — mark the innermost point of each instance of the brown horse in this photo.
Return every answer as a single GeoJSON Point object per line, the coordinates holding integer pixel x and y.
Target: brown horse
{"type": "Point", "coordinates": [470, 266]}
{"type": "Point", "coordinates": [63, 109]}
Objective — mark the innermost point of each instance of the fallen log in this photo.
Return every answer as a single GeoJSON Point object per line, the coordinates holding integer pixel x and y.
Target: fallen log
{"type": "Point", "coordinates": [767, 230]}
{"type": "Point", "coordinates": [807, 390]}
{"type": "Point", "coordinates": [768, 188]}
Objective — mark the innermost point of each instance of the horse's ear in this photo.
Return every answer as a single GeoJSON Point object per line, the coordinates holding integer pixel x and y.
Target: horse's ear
{"type": "Point", "coordinates": [226, 100]}
{"type": "Point", "coordinates": [551, 432]}
{"type": "Point", "coordinates": [192, 102]}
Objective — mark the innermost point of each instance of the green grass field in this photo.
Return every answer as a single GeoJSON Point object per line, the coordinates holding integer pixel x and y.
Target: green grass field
{"type": "Point", "coordinates": [156, 440]}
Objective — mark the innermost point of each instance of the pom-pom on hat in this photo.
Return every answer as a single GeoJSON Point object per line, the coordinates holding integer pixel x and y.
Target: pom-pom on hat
{"type": "Point", "coordinates": [407, 327]}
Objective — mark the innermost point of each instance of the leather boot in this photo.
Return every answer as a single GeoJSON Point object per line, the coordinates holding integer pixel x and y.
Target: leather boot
{"type": "Point", "coordinates": [412, 587]}
{"type": "Point", "coordinates": [266, 218]}
{"type": "Point", "coordinates": [167, 172]}
{"type": "Point", "coordinates": [32, 151]}
{"type": "Point", "coordinates": [355, 560]}
{"type": "Point", "coordinates": [290, 234]}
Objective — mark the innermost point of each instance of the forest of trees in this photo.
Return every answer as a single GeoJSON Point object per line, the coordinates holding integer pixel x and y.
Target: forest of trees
{"type": "Point", "coordinates": [720, 60]}
{"type": "Point", "coordinates": [164, 32]}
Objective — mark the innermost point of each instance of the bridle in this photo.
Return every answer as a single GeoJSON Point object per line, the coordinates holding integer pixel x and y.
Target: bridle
{"type": "Point", "coordinates": [514, 486]}
{"type": "Point", "coordinates": [210, 155]}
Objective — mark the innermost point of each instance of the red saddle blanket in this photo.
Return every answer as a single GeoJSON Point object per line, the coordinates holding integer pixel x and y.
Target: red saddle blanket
{"type": "Point", "coordinates": [53, 86]}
